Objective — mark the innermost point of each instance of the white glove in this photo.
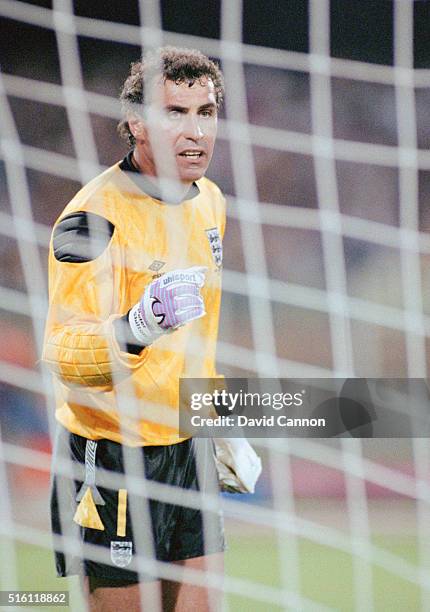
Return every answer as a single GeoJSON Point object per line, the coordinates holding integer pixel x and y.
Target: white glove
{"type": "Point", "coordinates": [168, 302]}
{"type": "Point", "coordinates": [237, 463]}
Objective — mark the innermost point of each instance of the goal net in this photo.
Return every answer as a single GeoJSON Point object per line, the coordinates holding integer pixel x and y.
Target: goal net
{"type": "Point", "coordinates": [322, 154]}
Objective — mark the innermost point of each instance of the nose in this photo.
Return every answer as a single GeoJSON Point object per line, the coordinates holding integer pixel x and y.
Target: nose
{"type": "Point", "coordinates": [192, 127]}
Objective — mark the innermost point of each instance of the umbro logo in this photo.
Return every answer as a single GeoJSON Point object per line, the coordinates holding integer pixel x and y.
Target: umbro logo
{"type": "Point", "coordinates": [157, 265]}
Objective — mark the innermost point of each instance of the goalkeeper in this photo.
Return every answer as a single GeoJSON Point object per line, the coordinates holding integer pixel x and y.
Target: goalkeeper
{"type": "Point", "coordinates": [135, 287]}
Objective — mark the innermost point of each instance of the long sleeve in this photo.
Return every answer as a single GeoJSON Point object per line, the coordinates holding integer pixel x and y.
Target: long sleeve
{"type": "Point", "coordinates": [86, 298]}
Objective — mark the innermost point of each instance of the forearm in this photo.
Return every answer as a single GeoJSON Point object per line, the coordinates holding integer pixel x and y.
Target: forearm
{"type": "Point", "coordinates": [91, 354]}
{"type": "Point", "coordinates": [125, 336]}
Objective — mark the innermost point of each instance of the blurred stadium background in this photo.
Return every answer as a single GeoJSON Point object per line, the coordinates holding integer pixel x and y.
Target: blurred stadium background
{"type": "Point", "coordinates": [344, 526]}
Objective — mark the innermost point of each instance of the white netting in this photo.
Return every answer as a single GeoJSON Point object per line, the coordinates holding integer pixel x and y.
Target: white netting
{"type": "Point", "coordinates": [328, 280]}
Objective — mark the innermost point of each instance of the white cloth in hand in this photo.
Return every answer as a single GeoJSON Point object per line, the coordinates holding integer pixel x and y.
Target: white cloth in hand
{"type": "Point", "coordinates": [237, 463]}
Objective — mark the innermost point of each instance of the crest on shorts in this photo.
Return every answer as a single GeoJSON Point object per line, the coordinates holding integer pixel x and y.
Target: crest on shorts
{"type": "Point", "coordinates": [216, 245]}
{"type": "Point", "coordinates": [121, 553]}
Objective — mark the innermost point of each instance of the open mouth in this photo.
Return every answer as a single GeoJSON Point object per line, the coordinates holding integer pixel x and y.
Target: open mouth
{"type": "Point", "coordinates": [192, 155]}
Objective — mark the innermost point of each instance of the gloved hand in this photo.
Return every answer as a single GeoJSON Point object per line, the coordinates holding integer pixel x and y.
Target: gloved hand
{"type": "Point", "coordinates": [168, 302]}
{"type": "Point", "coordinates": [237, 463]}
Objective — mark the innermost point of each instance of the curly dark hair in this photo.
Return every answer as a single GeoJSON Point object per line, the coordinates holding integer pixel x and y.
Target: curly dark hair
{"type": "Point", "coordinates": [175, 64]}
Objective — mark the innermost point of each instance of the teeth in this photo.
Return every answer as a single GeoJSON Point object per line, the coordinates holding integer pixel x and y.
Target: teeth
{"type": "Point", "coordinates": [191, 154]}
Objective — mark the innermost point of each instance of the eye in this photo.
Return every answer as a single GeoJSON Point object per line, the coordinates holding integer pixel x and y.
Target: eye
{"type": "Point", "coordinates": [174, 114]}
{"type": "Point", "coordinates": [207, 113]}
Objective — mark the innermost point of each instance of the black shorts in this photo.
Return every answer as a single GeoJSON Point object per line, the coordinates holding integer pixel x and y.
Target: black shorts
{"type": "Point", "coordinates": [97, 511]}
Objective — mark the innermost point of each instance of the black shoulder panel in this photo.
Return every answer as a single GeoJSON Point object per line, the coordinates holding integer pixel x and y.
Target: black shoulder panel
{"type": "Point", "coordinates": [81, 237]}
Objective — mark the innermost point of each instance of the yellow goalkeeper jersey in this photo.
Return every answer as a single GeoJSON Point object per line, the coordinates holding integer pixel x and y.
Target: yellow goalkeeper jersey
{"type": "Point", "coordinates": [101, 390]}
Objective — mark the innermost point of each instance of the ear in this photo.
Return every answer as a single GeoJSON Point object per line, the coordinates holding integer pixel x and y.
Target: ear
{"type": "Point", "coordinates": [137, 127]}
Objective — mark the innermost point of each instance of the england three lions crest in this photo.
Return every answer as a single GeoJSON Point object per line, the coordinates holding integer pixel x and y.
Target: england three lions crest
{"type": "Point", "coordinates": [216, 245]}
{"type": "Point", "coordinates": [121, 553]}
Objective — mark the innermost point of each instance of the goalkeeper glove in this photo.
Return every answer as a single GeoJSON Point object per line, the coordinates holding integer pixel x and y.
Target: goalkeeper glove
{"type": "Point", "coordinates": [237, 463]}
{"type": "Point", "coordinates": [168, 303]}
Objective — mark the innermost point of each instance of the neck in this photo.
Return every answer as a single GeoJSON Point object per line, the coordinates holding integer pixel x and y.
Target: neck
{"type": "Point", "coordinates": [165, 189]}
{"type": "Point", "coordinates": [170, 189]}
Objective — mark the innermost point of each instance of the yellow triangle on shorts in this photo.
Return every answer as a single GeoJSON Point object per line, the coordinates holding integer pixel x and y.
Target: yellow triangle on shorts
{"type": "Point", "coordinates": [86, 514]}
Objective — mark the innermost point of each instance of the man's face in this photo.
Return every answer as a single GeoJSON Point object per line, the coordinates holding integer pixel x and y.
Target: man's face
{"type": "Point", "coordinates": [179, 130]}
